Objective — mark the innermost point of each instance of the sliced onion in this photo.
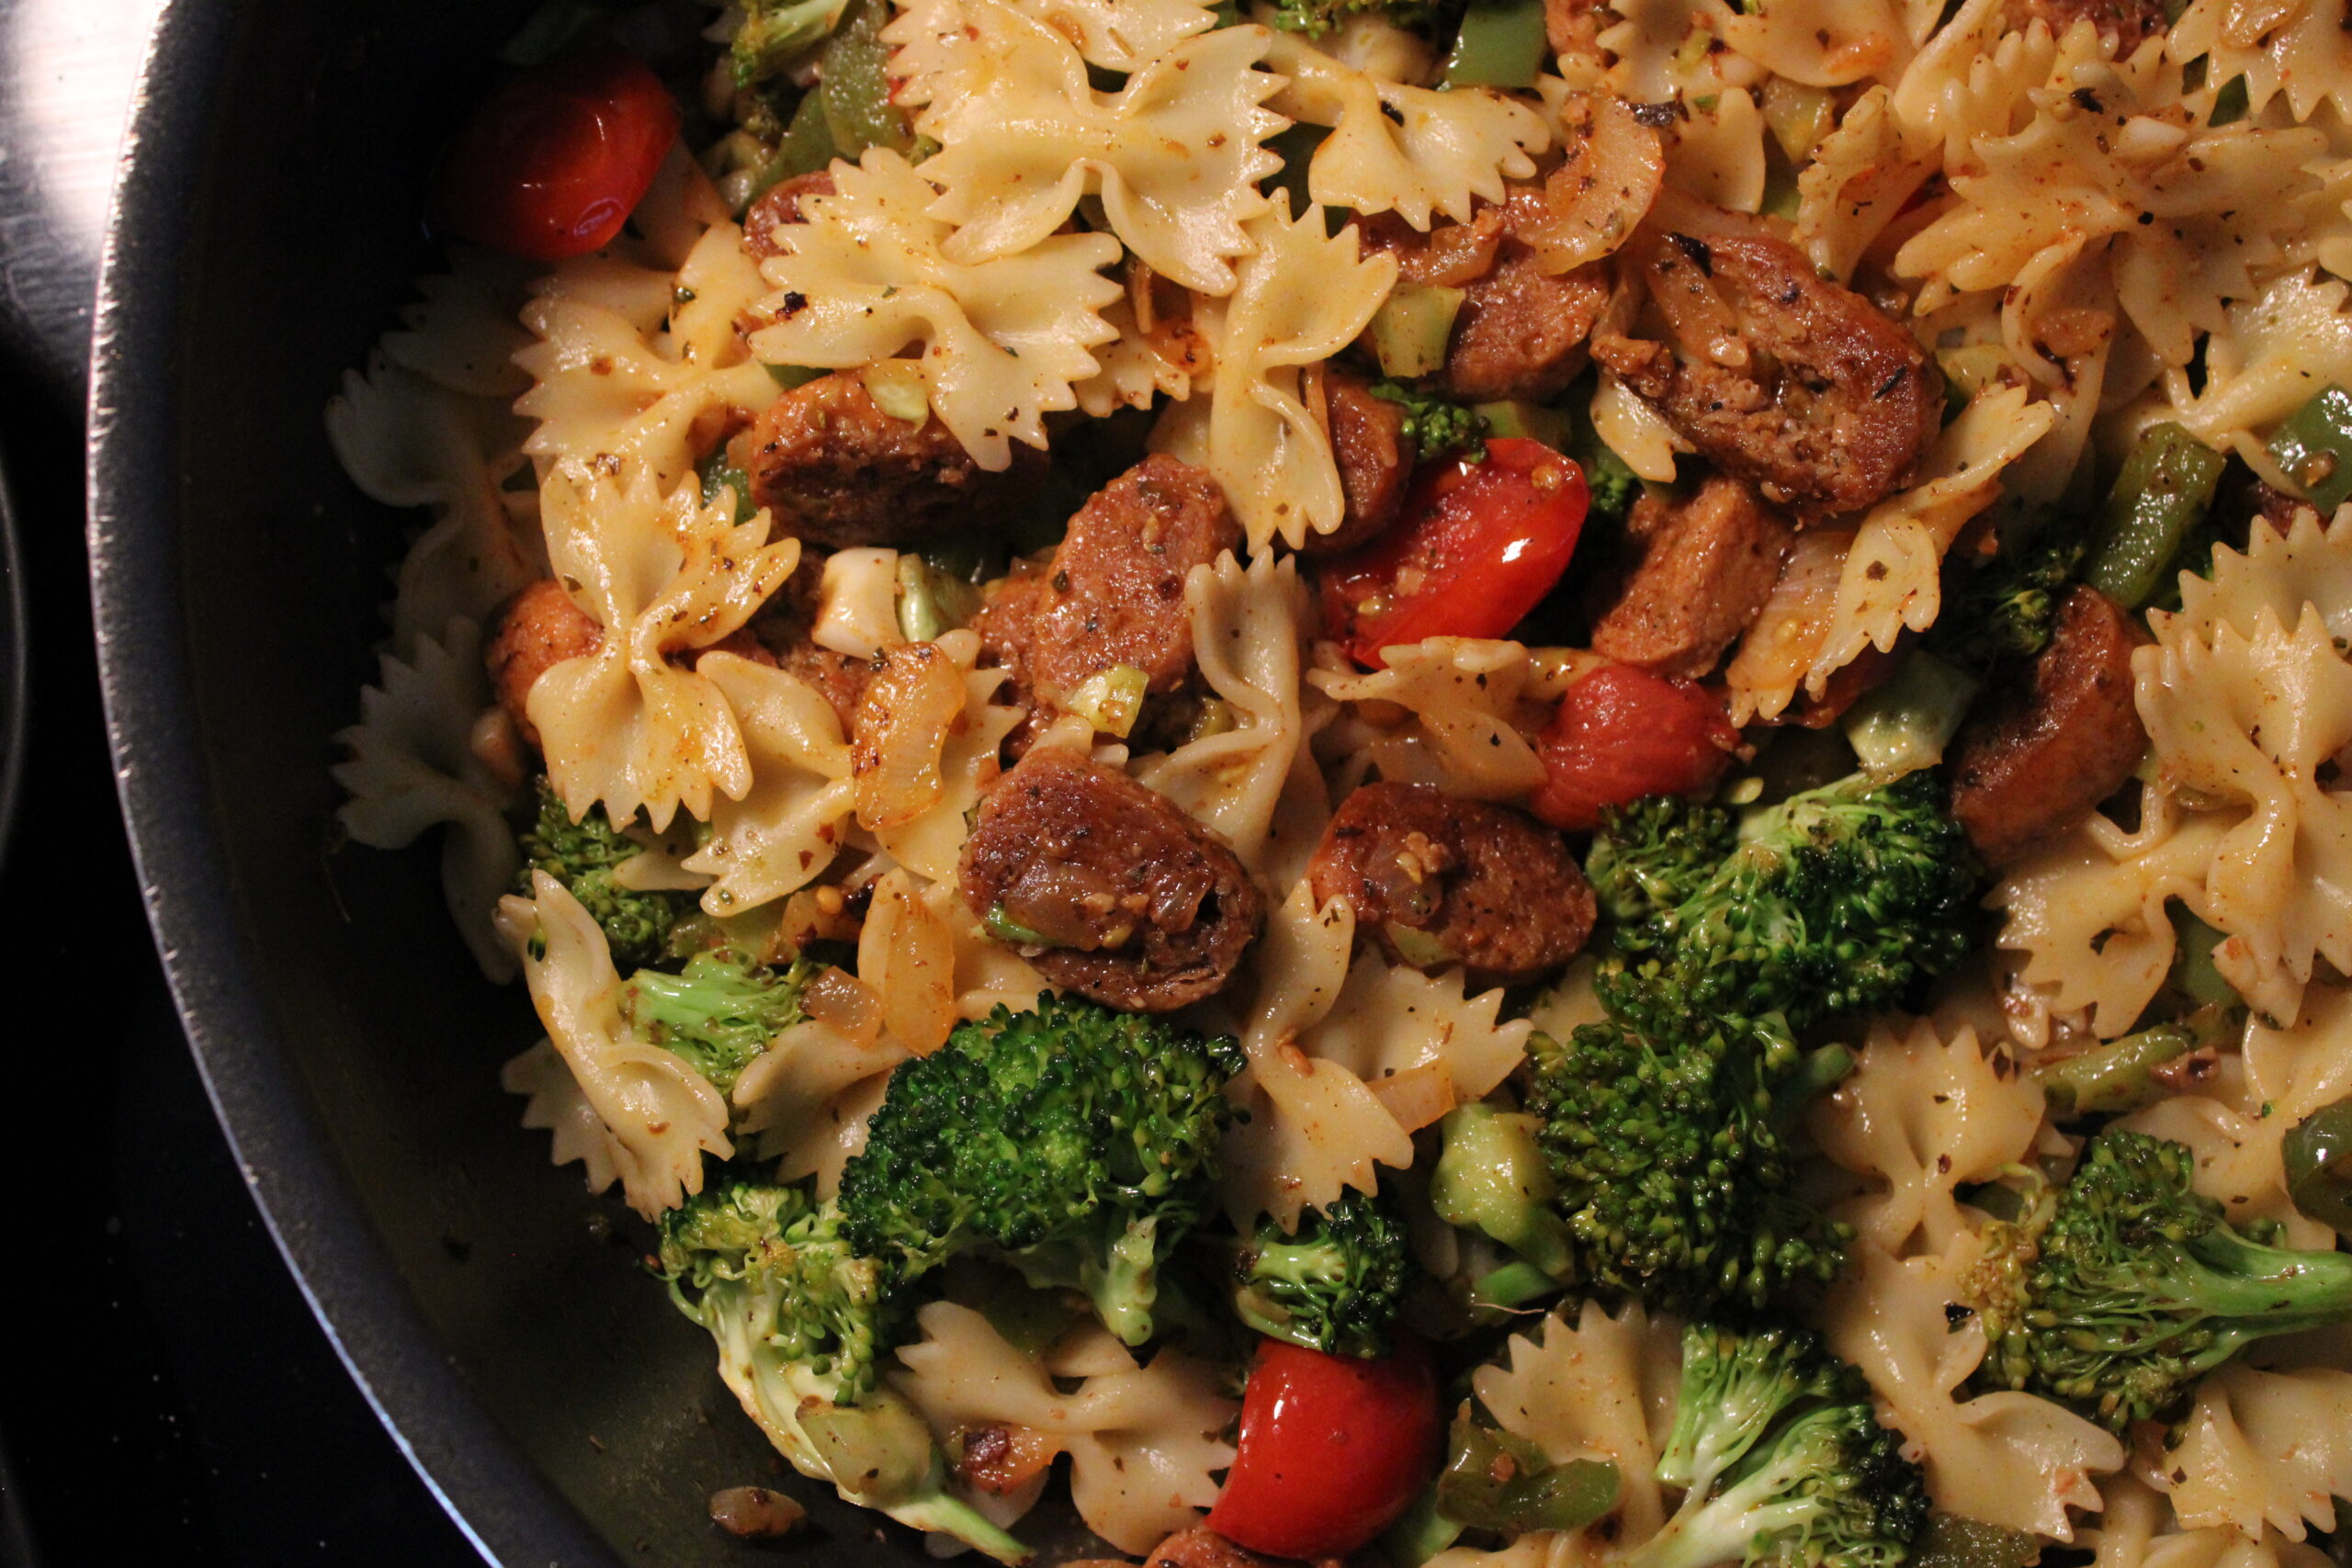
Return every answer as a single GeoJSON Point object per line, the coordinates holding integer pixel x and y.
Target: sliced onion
{"type": "Point", "coordinates": [907, 954]}
{"type": "Point", "coordinates": [898, 390]}
{"type": "Point", "coordinates": [1592, 202]}
{"type": "Point", "coordinates": [845, 1004]}
{"type": "Point", "coordinates": [1112, 700]}
{"type": "Point", "coordinates": [912, 705]}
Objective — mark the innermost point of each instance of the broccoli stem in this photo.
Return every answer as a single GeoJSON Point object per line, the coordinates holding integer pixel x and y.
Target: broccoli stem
{"type": "Point", "coordinates": [1707, 1532]}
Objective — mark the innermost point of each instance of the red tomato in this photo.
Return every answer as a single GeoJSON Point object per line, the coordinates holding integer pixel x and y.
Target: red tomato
{"type": "Point", "coordinates": [1480, 545]}
{"type": "Point", "coordinates": [1332, 1449]}
{"type": "Point", "coordinates": [1623, 733]}
{"type": "Point", "coordinates": [554, 160]}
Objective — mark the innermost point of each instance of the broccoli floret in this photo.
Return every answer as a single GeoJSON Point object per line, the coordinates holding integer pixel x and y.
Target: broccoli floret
{"type": "Point", "coordinates": [1316, 17]}
{"type": "Point", "coordinates": [801, 1320]}
{"type": "Point", "coordinates": [1656, 852]}
{"type": "Point", "coordinates": [2006, 610]}
{"type": "Point", "coordinates": [1079, 1142]}
{"type": "Point", "coordinates": [1671, 1169]}
{"type": "Point", "coordinates": [1434, 426]}
{"type": "Point", "coordinates": [1334, 1287]}
{"type": "Point", "coordinates": [581, 856]}
{"type": "Point", "coordinates": [1782, 1461]}
{"type": "Point", "coordinates": [719, 1013]}
{"type": "Point", "coordinates": [2118, 1295]}
{"type": "Point", "coordinates": [1837, 899]}
{"type": "Point", "coordinates": [777, 33]}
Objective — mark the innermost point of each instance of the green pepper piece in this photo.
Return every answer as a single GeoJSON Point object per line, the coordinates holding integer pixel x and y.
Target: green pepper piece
{"type": "Point", "coordinates": [2160, 497]}
{"type": "Point", "coordinates": [2193, 972]}
{"type": "Point", "coordinates": [1500, 44]}
{"type": "Point", "coordinates": [2318, 1154]}
{"type": "Point", "coordinates": [1494, 1479]}
{"type": "Point", "coordinates": [2113, 1079]}
{"type": "Point", "coordinates": [2314, 448]}
{"type": "Point", "coordinates": [807, 145]}
{"type": "Point", "coordinates": [718, 474]}
{"type": "Point", "coordinates": [1420, 1532]}
{"type": "Point", "coordinates": [1951, 1541]}
{"type": "Point", "coordinates": [1410, 330]}
{"type": "Point", "coordinates": [855, 87]}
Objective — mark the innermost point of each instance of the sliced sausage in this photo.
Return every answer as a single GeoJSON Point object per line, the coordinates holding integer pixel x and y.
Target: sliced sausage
{"type": "Point", "coordinates": [1465, 882]}
{"type": "Point", "coordinates": [1778, 375]}
{"type": "Point", "coordinates": [1522, 331]}
{"type": "Point", "coordinates": [781, 205]}
{"type": "Point", "coordinates": [1130, 901]}
{"type": "Point", "coordinates": [2037, 764]}
{"type": "Point", "coordinates": [537, 629]}
{"type": "Point", "coordinates": [839, 472]}
{"type": "Point", "coordinates": [1376, 458]}
{"type": "Point", "coordinates": [839, 678]}
{"type": "Point", "coordinates": [1114, 593]}
{"type": "Point", "coordinates": [1706, 567]}
{"type": "Point", "coordinates": [2125, 23]}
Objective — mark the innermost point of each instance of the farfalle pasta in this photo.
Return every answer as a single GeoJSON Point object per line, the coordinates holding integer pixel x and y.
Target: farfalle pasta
{"type": "Point", "coordinates": [1016, 657]}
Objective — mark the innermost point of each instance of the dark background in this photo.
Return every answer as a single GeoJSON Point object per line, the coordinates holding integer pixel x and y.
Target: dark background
{"type": "Point", "coordinates": [167, 1395]}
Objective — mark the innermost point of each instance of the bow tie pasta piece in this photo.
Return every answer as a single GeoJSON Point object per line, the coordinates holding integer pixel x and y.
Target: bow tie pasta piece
{"type": "Point", "coordinates": [631, 1110]}
{"type": "Point", "coordinates": [413, 766]}
{"type": "Point", "coordinates": [1347, 1060]}
{"type": "Point", "coordinates": [1140, 365]}
{"type": "Point", "coordinates": [1860, 177]}
{"type": "Point", "coordinates": [2300, 48]}
{"type": "Point", "coordinates": [1142, 1440]}
{"type": "Point", "coordinates": [1830, 43]}
{"type": "Point", "coordinates": [2263, 1449]}
{"type": "Point", "coordinates": [932, 38]}
{"type": "Point", "coordinates": [1925, 1117]}
{"type": "Point", "coordinates": [2215, 199]}
{"type": "Point", "coordinates": [2007, 1459]}
{"type": "Point", "coordinates": [1174, 154]}
{"type": "Point", "coordinates": [1254, 785]}
{"type": "Point", "coordinates": [786, 828]}
{"type": "Point", "coordinates": [1002, 341]}
{"type": "Point", "coordinates": [1410, 151]}
{"type": "Point", "coordinates": [798, 1097]}
{"type": "Point", "coordinates": [2294, 335]}
{"type": "Point", "coordinates": [2137, 1529]}
{"type": "Point", "coordinates": [2271, 580]}
{"type": "Point", "coordinates": [1597, 1387]}
{"type": "Point", "coordinates": [2251, 721]}
{"type": "Point", "coordinates": [1462, 698]}
{"type": "Point", "coordinates": [1786, 637]}
{"type": "Point", "coordinates": [406, 441]}
{"type": "Point", "coordinates": [623, 726]}
{"type": "Point", "coordinates": [623, 372]}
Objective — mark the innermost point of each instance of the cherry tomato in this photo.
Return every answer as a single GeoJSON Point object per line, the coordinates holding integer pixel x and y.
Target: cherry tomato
{"type": "Point", "coordinates": [1332, 1449]}
{"type": "Point", "coordinates": [1480, 545]}
{"type": "Point", "coordinates": [556, 158]}
{"type": "Point", "coordinates": [1623, 733]}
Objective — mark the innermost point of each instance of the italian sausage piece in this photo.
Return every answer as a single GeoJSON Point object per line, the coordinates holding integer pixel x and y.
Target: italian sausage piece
{"type": "Point", "coordinates": [2037, 764]}
{"type": "Point", "coordinates": [2127, 23]}
{"type": "Point", "coordinates": [1705, 569]}
{"type": "Point", "coordinates": [1522, 331]}
{"type": "Point", "coordinates": [1376, 458]}
{"type": "Point", "coordinates": [1127, 900]}
{"type": "Point", "coordinates": [839, 472]}
{"type": "Point", "coordinates": [537, 629]}
{"type": "Point", "coordinates": [1114, 593]}
{"type": "Point", "coordinates": [781, 205]}
{"type": "Point", "coordinates": [1435, 881]}
{"type": "Point", "coordinates": [1778, 375]}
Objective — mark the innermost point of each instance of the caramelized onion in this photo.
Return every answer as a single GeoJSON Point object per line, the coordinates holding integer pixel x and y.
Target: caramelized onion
{"type": "Point", "coordinates": [845, 1004]}
{"type": "Point", "coordinates": [907, 955]}
{"type": "Point", "coordinates": [911, 706]}
{"type": "Point", "coordinates": [1592, 202]}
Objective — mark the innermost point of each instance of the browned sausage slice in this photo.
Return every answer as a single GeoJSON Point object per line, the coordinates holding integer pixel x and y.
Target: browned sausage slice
{"type": "Point", "coordinates": [1375, 457]}
{"type": "Point", "coordinates": [1130, 902]}
{"type": "Point", "coordinates": [1778, 375]}
{"type": "Point", "coordinates": [1436, 881]}
{"type": "Point", "coordinates": [1114, 593]}
{"type": "Point", "coordinates": [537, 629]}
{"type": "Point", "coordinates": [839, 472]}
{"type": "Point", "coordinates": [781, 205]}
{"type": "Point", "coordinates": [2035, 765]}
{"type": "Point", "coordinates": [2123, 24]}
{"type": "Point", "coordinates": [1707, 564]}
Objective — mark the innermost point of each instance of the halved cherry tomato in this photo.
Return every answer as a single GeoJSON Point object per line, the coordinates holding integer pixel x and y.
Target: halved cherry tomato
{"type": "Point", "coordinates": [1332, 1449]}
{"type": "Point", "coordinates": [1480, 545]}
{"type": "Point", "coordinates": [1623, 733]}
{"type": "Point", "coordinates": [556, 158]}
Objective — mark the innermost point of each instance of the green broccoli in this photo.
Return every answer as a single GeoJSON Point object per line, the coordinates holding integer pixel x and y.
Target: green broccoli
{"type": "Point", "coordinates": [2006, 609]}
{"type": "Point", "coordinates": [719, 1013]}
{"type": "Point", "coordinates": [801, 1321]}
{"type": "Point", "coordinates": [1781, 1461]}
{"type": "Point", "coordinates": [1652, 854]}
{"type": "Point", "coordinates": [581, 856]}
{"type": "Point", "coordinates": [1434, 426]}
{"type": "Point", "coordinates": [2121, 1290]}
{"type": "Point", "coordinates": [1334, 1287]}
{"type": "Point", "coordinates": [1316, 17]}
{"type": "Point", "coordinates": [1671, 1169]}
{"type": "Point", "coordinates": [776, 34]}
{"type": "Point", "coordinates": [1079, 1142]}
{"type": "Point", "coordinates": [1837, 899]}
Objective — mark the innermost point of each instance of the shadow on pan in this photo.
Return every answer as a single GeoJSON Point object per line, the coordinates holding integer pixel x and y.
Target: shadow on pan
{"type": "Point", "coordinates": [265, 233]}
